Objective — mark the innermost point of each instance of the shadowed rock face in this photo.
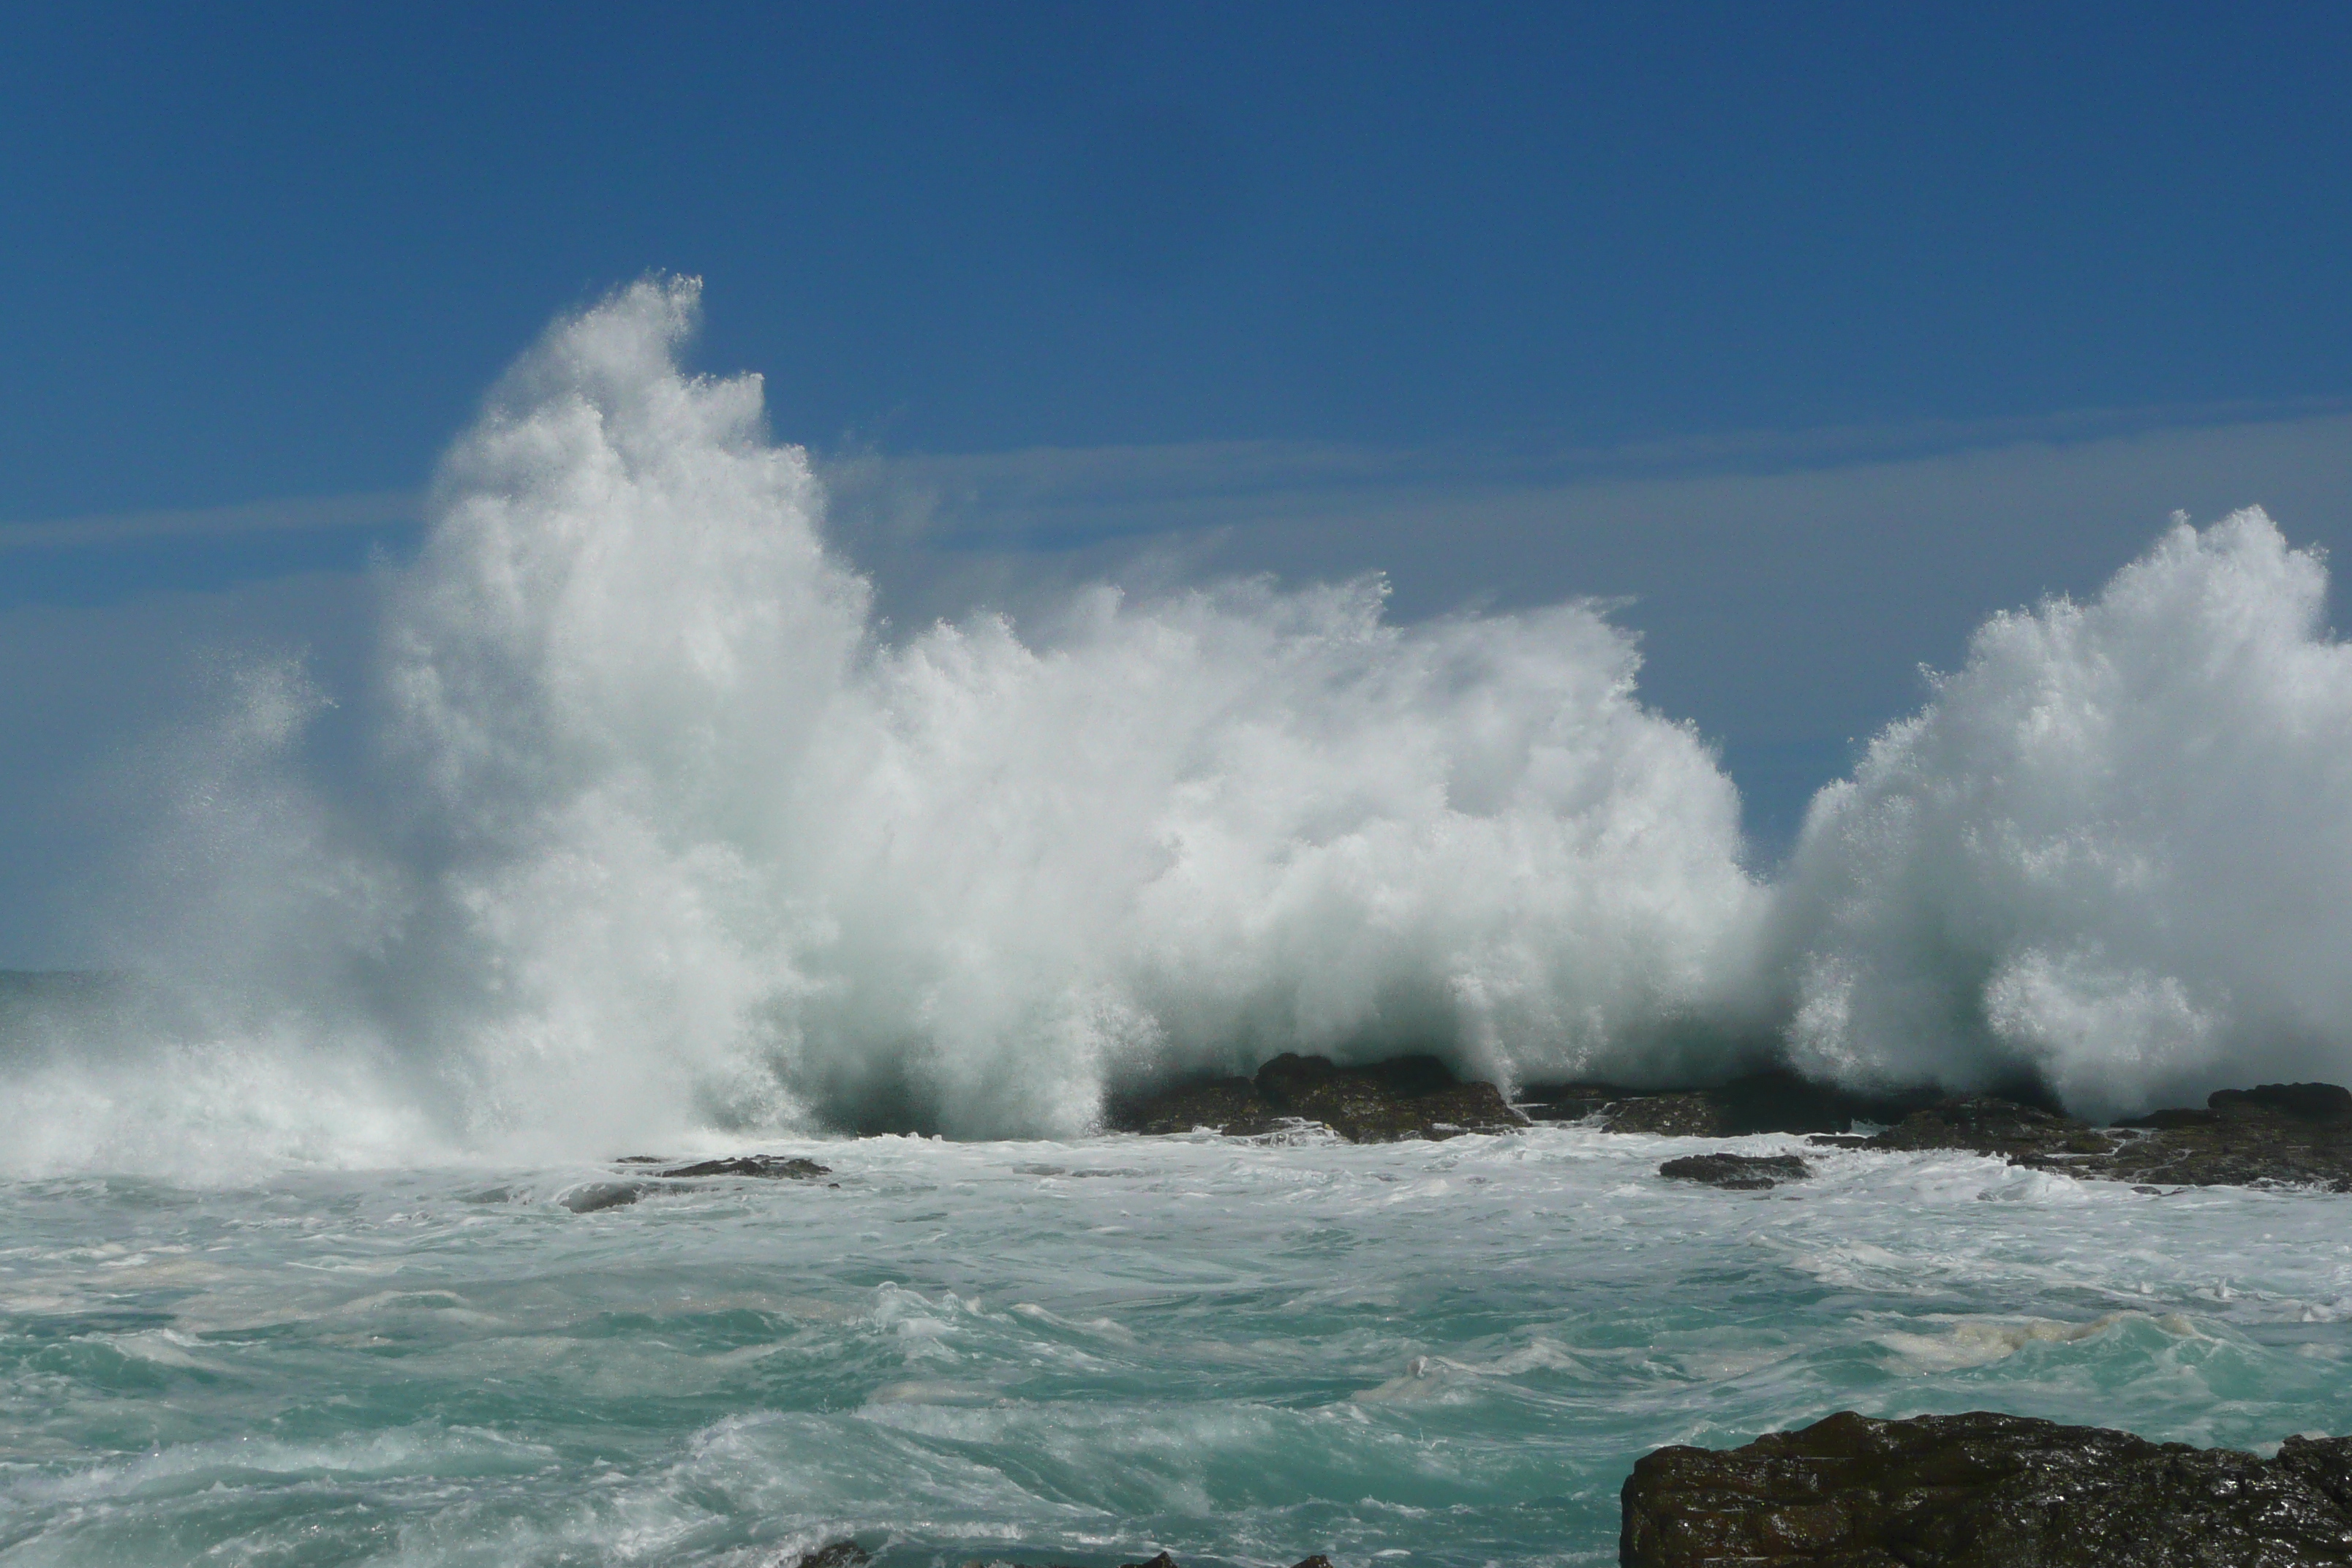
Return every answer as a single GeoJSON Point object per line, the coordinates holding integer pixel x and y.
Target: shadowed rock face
{"type": "Point", "coordinates": [1983, 1491]}
{"type": "Point", "coordinates": [1405, 1097]}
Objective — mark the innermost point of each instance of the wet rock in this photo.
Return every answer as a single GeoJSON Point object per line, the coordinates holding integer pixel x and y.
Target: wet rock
{"type": "Point", "coordinates": [2293, 1134]}
{"type": "Point", "coordinates": [1405, 1097]}
{"type": "Point", "coordinates": [1738, 1173]}
{"type": "Point", "coordinates": [768, 1167]}
{"type": "Point", "coordinates": [598, 1195]}
{"type": "Point", "coordinates": [2023, 1134]}
{"type": "Point", "coordinates": [837, 1554]}
{"type": "Point", "coordinates": [1681, 1113]}
{"type": "Point", "coordinates": [1985, 1490]}
{"type": "Point", "coordinates": [2323, 1102]}
{"type": "Point", "coordinates": [1228, 1105]}
{"type": "Point", "coordinates": [1775, 1100]}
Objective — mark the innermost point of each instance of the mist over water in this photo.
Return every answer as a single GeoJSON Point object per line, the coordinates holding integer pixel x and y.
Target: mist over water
{"type": "Point", "coordinates": [666, 838]}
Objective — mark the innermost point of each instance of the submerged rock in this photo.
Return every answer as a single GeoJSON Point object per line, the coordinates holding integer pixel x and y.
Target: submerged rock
{"type": "Point", "coordinates": [598, 1195]}
{"type": "Point", "coordinates": [1985, 1490]}
{"type": "Point", "coordinates": [1740, 1172]}
{"type": "Point", "coordinates": [837, 1554]}
{"type": "Point", "coordinates": [769, 1167]}
{"type": "Point", "coordinates": [1405, 1097]}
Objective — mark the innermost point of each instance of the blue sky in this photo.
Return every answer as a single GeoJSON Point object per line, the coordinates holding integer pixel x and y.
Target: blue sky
{"type": "Point", "coordinates": [1816, 331]}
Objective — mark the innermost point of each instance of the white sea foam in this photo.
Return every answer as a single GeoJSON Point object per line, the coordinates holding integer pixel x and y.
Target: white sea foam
{"type": "Point", "coordinates": [2111, 852]}
{"type": "Point", "coordinates": [666, 836]}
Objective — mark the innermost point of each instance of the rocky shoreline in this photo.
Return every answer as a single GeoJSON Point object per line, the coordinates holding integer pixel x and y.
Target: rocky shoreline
{"type": "Point", "coordinates": [2284, 1134]}
{"type": "Point", "coordinates": [1986, 1491]}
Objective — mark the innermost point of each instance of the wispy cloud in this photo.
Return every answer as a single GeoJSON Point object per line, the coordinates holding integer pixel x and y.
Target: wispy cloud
{"type": "Point", "coordinates": [293, 514]}
{"type": "Point", "coordinates": [1058, 497]}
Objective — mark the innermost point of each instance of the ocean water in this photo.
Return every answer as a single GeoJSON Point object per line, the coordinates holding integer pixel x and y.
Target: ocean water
{"type": "Point", "coordinates": [1081, 1350]}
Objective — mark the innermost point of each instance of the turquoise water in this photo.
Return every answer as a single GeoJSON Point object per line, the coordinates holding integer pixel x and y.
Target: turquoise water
{"type": "Point", "coordinates": [1081, 1351]}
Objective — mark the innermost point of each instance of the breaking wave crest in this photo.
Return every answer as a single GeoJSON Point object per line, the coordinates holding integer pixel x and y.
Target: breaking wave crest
{"type": "Point", "coordinates": [665, 836]}
{"type": "Point", "coordinates": [2111, 852]}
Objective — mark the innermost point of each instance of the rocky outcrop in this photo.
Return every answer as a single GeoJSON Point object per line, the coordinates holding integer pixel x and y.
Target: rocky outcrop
{"type": "Point", "coordinates": [837, 1554]}
{"type": "Point", "coordinates": [597, 1196]}
{"type": "Point", "coordinates": [1776, 1101]}
{"type": "Point", "coordinates": [2295, 1135]}
{"type": "Point", "coordinates": [594, 1197]}
{"type": "Point", "coordinates": [1404, 1097]}
{"type": "Point", "coordinates": [2291, 1133]}
{"type": "Point", "coordinates": [765, 1167]}
{"type": "Point", "coordinates": [1983, 1491]}
{"type": "Point", "coordinates": [1738, 1173]}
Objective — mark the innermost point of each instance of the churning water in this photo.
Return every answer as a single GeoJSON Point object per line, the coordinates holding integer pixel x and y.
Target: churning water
{"type": "Point", "coordinates": [1081, 1350]}
{"type": "Point", "coordinates": [665, 842]}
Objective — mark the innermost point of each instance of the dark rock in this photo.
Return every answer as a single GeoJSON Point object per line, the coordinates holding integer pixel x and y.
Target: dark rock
{"type": "Point", "coordinates": [1740, 1172]}
{"type": "Point", "coordinates": [1985, 1490]}
{"type": "Point", "coordinates": [770, 1167]}
{"type": "Point", "coordinates": [2286, 1134]}
{"type": "Point", "coordinates": [2024, 1135]}
{"type": "Point", "coordinates": [1317, 1561]}
{"type": "Point", "coordinates": [1163, 1560]}
{"type": "Point", "coordinates": [1406, 1097]}
{"type": "Point", "coordinates": [598, 1195]}
{"type": "Point", "coordinates": [2291, 1135]}
{"type": "Point", "coordinates": [837, 1554]}
{"type": "Point", "coordinates": [1775, 1100]}
{"type": "Point", "coordinates": [1228, 1105]}
{"type": "Point", "coordinates": [1681, 1113]}
{"type": "Point", "coordinates": [2297, 1102]}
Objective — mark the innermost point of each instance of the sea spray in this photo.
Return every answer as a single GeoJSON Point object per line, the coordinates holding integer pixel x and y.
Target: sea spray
{"type": "Point", "coordinates": [664, 836]}
{"type": "Point", "coordinates": [2111, 852]}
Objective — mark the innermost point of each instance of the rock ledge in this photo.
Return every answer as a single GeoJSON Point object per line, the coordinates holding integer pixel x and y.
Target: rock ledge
{"type": "Point", "coordinates": [1985, 1490]}
{"type": "Point", "coordinates": [1404, 1097]}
